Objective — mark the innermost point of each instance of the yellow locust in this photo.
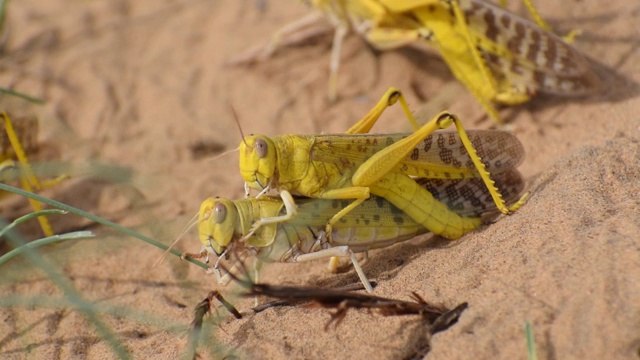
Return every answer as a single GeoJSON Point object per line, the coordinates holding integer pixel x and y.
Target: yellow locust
{"type": "Point", "coordinates": [294, 230]}
{"type": "Point", "coordinates": [14, 162]}
{"type": "Point", "coordinates": [500, 57]}
{"type": "Point", "coordinates": [355, 165]}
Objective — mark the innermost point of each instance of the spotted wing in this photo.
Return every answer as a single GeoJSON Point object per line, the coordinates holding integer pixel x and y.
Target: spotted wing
{"type": "Point", "coordinates": [466, 197]}
{"type": "Point", "coordinates": [523, 55]}
{"type": "Point", "coordinates": [440, 155]}
{"type": "Point", "coordinates": [470, 197]}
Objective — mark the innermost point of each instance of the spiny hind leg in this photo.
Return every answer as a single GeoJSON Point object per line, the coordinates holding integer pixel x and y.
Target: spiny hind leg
{"type": "Point", "coordinates": [484, 173]}
{"type": "Point", "coordinates": [384, 161]}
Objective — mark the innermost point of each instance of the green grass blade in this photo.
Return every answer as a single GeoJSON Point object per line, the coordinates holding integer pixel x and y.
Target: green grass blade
{"type": "Point", "coordinates": [95, 218]}
{"type": "Point", "coordinates": [28, 217]}
{"type": "Point", "coordinates": [45, 241]}
{"type": "Point", "coordinates": [3, 14]}
{"type": "Point", "coordinates": [531, 343]}
{"type": "Point", "coordinates": [29, 98]}
{"type": "Point", "coordinates": [70, 292]}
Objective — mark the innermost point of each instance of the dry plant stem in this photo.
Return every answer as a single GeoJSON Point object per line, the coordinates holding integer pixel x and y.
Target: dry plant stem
{"type": "Point", "coordinates": [345, 300]}
{"type": "Point", "coordinates": [265, 306]}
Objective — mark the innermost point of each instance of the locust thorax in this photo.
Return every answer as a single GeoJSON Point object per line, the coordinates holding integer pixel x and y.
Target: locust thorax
{"type": "Point", "coordinates": [257, 161]}
{"type": "Point", "coordinates": [216, 223]}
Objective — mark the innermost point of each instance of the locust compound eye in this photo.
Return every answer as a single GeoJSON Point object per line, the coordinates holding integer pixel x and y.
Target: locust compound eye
{"type": "Point", "coordinates": [219, 213]}
{"type": "Point", "coordinates": [261, 148]}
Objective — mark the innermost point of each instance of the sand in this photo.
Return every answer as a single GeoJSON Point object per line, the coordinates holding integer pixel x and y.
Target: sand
{"type": "Point", "coordinates": [143, 85]}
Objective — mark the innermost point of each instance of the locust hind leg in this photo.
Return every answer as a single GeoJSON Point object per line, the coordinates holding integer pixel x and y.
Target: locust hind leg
{"type": "Point", "coordinates": [484, 174]}
{"type": "Point", "coordinates": [360, 193]}
{"type": "Point", "coordinates": [420, 205]}
{"type": "Point", "coordinates": [478, 79]}
{"type": "Point", "coordinates": [384, 161]}
{"type": "Point", "coordinates": [446, 26]}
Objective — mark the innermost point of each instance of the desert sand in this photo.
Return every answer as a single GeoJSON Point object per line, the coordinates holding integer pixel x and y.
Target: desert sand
{"type": "Point", "coordinates": [144, 86]}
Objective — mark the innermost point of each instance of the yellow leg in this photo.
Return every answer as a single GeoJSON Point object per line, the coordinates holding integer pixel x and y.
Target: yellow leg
{"type": "Point", "coordinates": [481, 67]}
{"type": "Point", "coordinates": [390, 97]}
{"type": "Point", "coordinates": [384, 161]}
{"type": "Point", "coordinates": [382, 164]}
{"type": "Point", "coordinates": [378, 175]}
{"type": "Point", "coordinates": [454, 41]}
{"type": "Point", "coordinates": [364, 125]}
{"type": "Point", "coordinates": [458, 44]}
{"type": "Point", "coordinates": [28, 179]}
{"type": "Point", "coordinates": [419, 204]}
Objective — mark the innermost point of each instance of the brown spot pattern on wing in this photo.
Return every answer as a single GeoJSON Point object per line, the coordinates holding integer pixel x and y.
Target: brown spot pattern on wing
{"type": "Point", "coordinates": [470, 197]}
{"type": "Point", "coordinates": [497, 149]}
{"type": "Point", "coordinates": [531, 59]}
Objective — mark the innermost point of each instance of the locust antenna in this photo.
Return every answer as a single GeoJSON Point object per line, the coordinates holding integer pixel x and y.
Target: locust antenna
{"type": "Point", "coordinates": [190, 224]}
{"type": "Point", "coordinates": [223, 154]}
{"type": "Point", "coordinates": [237, 120]}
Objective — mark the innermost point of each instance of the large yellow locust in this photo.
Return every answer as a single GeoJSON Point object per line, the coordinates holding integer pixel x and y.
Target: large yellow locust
{"type": "Point", "coordinates": [15, 142]}
{"type": "Point", "coordinates": [226, 226]}
{"type": "Point", "coordinates": [500, 57]}
{"type": "Point", "coordinates": [355, 165]}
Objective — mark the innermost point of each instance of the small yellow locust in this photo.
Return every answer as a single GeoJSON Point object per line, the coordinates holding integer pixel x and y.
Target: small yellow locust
{"type": "Point", "coordinates": [500, 57]}
{"type": "Point", "coordinates": [355, 165]}
{"type": "Point", "coordinates": [294, 230]}
{"type": "Point", "coordinates": [13, 156]}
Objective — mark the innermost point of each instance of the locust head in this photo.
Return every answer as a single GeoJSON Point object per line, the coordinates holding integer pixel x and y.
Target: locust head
{"type": "Point", "coordinates": [257, 161]}
{"type": "Point", "coordinates": [216, 224]}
